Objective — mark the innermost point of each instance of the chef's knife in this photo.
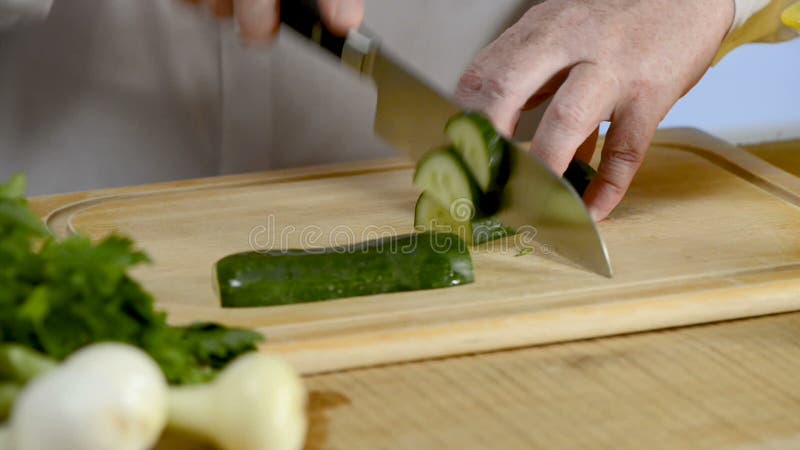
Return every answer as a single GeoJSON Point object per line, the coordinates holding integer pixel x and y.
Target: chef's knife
{"type": "Point", "coordinates": [411, 116]}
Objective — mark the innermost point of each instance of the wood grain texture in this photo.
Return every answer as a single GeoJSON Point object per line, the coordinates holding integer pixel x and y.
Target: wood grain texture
{"type": "Point", "coordinates": [739, 161]}
{"type": "Point", "coordinates": [729, 386]}
{"type": "Point", "coordinates": [726, 386]}
{"type": "Point", "coordinates": [785, 155]}
{"type": "Point", "coordinates": [692, 242]}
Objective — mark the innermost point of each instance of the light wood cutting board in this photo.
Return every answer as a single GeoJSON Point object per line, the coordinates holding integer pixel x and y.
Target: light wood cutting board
{"type": "Point", "coordinates": [708, 232]}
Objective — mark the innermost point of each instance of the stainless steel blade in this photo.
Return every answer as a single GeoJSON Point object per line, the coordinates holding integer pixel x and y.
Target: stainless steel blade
{"type": "Point", "coordinates": [543, 206]}
{"type": "Point", "coordinates": [411, 117]}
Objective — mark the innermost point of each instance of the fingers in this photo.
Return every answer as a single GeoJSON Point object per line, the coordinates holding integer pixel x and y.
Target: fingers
{"type": "Point", "coordinates": [547, 90]}
{"type": "Point", "coordinates": [623, 152]}
{"type": "Point", "coordinates": [219, 8]}
{"type": "Point", "coordinates": [342, 16]}
{"type": "Point", "coordinates": [506, 74]}
{"type": "Point", "coordinates": [258, 19]}
{"type": "Point", "coordinates": [586, 98]}
{"type": "Point", "coordinates": [222, 8]}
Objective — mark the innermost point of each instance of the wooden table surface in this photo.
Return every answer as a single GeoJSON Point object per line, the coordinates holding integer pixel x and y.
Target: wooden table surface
{"type": "Point", "coordinates": [731, 385]}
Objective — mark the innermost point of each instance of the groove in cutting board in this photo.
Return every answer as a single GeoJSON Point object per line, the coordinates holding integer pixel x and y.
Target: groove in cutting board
{"type": "Point", "coordinates": [692, 242]}
{"type": "Point", "coordinates": [734, 159]}
{"type": "Point", "coordinates": [59, 219]}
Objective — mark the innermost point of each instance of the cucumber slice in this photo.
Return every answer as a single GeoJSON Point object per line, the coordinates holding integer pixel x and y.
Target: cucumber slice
{"type": "Point", "coordinates": [398, 263]}
{"type": "Point", "coordinates": [442, 174]}
{"type": "Point", "coordinates": [482, 148]}
{"type": "Point", "coordinates": [431, 215]}
{"type": "Point", "coordinates": [485, 152]}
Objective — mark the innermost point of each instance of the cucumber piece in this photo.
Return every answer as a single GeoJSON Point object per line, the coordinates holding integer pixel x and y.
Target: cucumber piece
{"type": "Point", "coordinates": [579, 174]}
{"type": "Point", "coordinates": [429, 214]}
{"type": "Point", "coordinates": [482, 148]}
{"type": "Point", "coordinates": [442, 174]}
{"type": "Point", "coordinates": [485, 152]}
{"type": "Point", "coordinates": [418, 261]}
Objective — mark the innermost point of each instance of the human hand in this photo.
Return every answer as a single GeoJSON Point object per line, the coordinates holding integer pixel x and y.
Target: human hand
{"type": "Point", "coordinates": [259, 19]}
{"type": "Point", "coordinates": [627, 61]}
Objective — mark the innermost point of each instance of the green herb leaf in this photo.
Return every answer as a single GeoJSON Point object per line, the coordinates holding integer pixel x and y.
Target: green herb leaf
{"type": "Point", "coordinates": [58, 296]}
{"type": "Point", "coordinates": [14, 189]}
{"type": "Point", "coordinates": [524, 251]}
{"type": "Point", "coordinates": [215, 345]}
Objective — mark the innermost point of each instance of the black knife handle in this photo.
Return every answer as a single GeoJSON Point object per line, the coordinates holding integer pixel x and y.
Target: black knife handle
{"type": "Point", "coordinates": [304, 17]}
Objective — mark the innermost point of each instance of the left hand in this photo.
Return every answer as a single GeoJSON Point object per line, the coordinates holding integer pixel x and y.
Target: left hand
{"type": "Point", "coordinates": [259, 19]}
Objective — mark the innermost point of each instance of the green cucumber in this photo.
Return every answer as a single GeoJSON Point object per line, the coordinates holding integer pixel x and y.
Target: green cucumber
{"type": "Point", "coordinates": [483, 149]}
{"type": "Point", "coordinates": [418, 261]}
{"type": "Point", "coordinates": [442, 174]}
{"type": "Point", "coordinates": [485, 152]}
{"type": "Point", "coordinates": [579, 174]}
{"type": "Point", "coordinates": [429, 214]}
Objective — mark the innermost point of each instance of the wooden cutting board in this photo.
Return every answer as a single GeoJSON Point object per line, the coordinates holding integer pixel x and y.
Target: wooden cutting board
{"type": "Point", "coordinates": [708, 232]}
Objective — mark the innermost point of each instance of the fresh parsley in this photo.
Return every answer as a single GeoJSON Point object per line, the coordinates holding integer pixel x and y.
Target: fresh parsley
{"type": "Point", "coordinates": [57, 296]}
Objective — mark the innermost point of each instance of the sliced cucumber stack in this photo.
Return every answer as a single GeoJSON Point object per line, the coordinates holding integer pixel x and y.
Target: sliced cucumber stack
{"type": "Point", "coordinates": [442, 174]}
{"type": "Point", "coordinates": [482, 148]}
{"type": "Point", "coordinates": [462, 186]}
{"type": "Point", "coordinates": [429, 214]}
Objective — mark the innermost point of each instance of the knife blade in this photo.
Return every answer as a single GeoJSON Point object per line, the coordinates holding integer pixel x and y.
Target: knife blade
{"type": "Point", "coordinates": [411, 115]}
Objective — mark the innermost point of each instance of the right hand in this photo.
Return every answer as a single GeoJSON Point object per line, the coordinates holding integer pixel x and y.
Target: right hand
{"type": "Point", "coordinates": [627, 61]}
{"type": "Point", "coordinates": [259, 19]}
